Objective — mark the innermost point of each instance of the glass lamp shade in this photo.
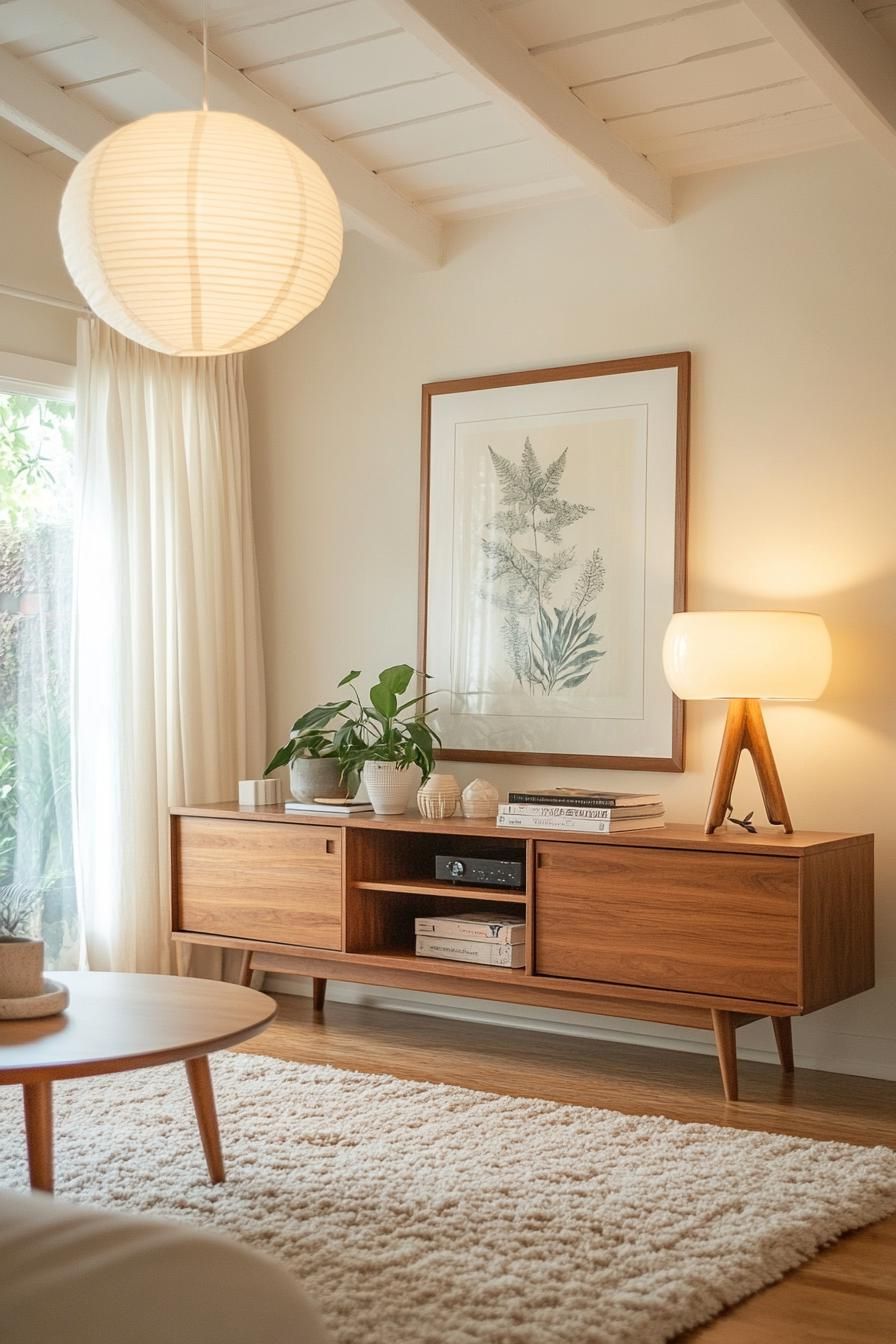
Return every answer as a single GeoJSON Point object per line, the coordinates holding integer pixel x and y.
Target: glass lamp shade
{"type": "Point", "coordinates": [749, 655]}
{"type": "Point", "coordinates": [200, 233]}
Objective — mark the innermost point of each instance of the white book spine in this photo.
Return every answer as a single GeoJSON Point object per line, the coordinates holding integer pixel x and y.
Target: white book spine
{"type": "Point", "coordinates": [446, 927]}
{"type": "Point", "coordinates": [511, 955]}
{"type": "Point", "coordinates": [554, 810]}
{"type": "Point", "coordinates": [555, 823]}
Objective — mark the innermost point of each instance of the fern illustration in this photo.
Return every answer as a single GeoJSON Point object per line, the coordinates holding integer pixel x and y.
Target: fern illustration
{"type": "Point", "coordinates": [548, 648]}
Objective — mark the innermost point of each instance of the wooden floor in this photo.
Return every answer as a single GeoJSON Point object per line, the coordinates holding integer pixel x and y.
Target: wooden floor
{"type": "Point", "coordinates": [845, 1295]}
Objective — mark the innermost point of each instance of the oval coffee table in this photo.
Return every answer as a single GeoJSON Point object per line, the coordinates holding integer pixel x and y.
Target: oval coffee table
{"type": "Point", "coordinates": [118, 1022]}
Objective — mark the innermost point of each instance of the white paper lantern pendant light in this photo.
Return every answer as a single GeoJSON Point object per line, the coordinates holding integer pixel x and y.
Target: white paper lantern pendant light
{"type": "Point", "coordinates": [200, 233]}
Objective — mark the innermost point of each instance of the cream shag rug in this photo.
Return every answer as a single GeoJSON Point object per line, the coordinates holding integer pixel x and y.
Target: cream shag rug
{"type": "Point", "coordinates": [422, 1214]}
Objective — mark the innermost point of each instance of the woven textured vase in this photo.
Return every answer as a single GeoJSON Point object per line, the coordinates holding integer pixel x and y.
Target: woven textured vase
{"type": "Point", "coordinates": [438, 797]}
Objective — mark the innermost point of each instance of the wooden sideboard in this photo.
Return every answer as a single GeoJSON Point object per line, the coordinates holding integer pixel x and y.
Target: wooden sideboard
{"type": "Point", "coordinates": [668, 925]}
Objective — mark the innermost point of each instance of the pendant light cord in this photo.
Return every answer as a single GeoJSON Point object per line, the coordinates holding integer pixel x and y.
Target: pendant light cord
{"type": "Point", "coordinates": [205, 56]}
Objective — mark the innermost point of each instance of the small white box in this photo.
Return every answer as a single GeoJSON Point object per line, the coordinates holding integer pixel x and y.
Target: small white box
{"type": "Point", "coordinates": [258, 792]}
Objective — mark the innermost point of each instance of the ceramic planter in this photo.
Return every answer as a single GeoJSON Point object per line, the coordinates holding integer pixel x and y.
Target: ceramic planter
{"type": "Point", "coordinates": [313, 777]}
{"type": "Point", "coordinates": [388, 788]}
{"type": "Point", "coordinates": [21, 967]}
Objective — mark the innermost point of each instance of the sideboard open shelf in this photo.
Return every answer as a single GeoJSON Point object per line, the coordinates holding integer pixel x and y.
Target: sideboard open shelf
{"type": "Point", "coordinates": [668, 925]}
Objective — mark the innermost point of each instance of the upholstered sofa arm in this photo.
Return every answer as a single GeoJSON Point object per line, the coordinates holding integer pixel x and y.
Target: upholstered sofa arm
{"type": "Point", "coordinates": [73, 1275]}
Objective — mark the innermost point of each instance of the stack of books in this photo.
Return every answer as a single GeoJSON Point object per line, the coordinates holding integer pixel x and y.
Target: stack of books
{"type": "Point", "coordinates": [600, 812]}
{"type": "Point", "coordinates": [488, 938]}
{"type": "Point", "coordinates": [340, 807]}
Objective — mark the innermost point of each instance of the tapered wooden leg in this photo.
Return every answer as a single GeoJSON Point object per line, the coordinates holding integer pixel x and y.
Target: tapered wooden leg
{"type": "Point", "coordinates": [784, 1042]}
{"type": "Point", "coordinates": [726, 1044]}
{"type": "Point", "coordinates": [246, 969]}
{"type": "Point", "coordinates": [318, 994]}
{"type": "Point", "coordinates": [760, 749]}
{"type": "Point", "coordinates": [200, 1080]}
{"type": "Point", "coordinates": [38, 1099]}
{"type": "Point", "coordinates": [726, 766]}
{"type": "Point", "coordinates": [745, 731]}
{"type": "Point", "coordinates": [183, 954]}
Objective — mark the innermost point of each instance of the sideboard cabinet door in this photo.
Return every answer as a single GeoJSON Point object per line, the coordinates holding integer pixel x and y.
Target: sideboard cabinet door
{"type": "Point", "coordinates": [720, 923]}
{"type": "Point", "coordinates": [259, 880]}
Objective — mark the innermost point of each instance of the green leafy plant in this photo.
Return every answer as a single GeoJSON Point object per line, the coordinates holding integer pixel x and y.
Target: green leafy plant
{"type": "Point", "coordinates": [549, 648]}
{"type": "Point", "coordinates": [386, 729]}
{"type": "Point", "coordinates": [36, 863]}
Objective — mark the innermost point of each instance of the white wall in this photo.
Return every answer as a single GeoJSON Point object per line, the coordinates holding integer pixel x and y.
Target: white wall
{"type": "Point", "coordinates": [781, 279]}
{"type": "Point", "coordinates": [31, 258]}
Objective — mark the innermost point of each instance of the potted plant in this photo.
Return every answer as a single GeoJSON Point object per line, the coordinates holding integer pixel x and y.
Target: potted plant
{"type": "Point", "coordinates": [315, 770]}
{"type": "Point", "coordinates": [388, 737]}
{"type": "Point", "coordinates": [333, 746]}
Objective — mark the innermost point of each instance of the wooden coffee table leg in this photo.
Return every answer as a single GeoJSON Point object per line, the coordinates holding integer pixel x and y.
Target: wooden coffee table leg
{"type": "Point", "coordinates": [246, 969]}
{"type": "Point", "coordinates": [38, 1099]}
{"type": "Point", "coordinates": [200, 1080]}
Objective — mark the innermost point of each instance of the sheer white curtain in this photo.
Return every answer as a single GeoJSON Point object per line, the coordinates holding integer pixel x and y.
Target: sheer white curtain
{"type": "Point", "coordinates": [168, 690]}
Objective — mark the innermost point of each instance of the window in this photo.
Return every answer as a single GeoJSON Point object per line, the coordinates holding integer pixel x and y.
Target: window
{"type": "Point", "coordinates": [37, 892]}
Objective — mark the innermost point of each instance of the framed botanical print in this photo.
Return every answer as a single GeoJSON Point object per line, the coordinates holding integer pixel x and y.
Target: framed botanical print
{"type": "Point", "coordinates": [552, 550]}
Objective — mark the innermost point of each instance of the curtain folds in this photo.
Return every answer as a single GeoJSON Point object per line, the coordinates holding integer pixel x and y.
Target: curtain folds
{"type": "Point", "coordinates": [168, 687]}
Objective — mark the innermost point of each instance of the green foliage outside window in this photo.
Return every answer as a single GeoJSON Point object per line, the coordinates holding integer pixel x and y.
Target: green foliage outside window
{"type": "Point", "coordinates": [36, 883]}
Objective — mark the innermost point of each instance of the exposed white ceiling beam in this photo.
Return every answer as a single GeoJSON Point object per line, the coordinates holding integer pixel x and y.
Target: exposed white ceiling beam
{"type": "Point", "coordinates": [166, 51]}
{"type": "Point", "coordinates": [41, 109]}
{"type": "Point", "coordinates": [467, 37]}
{"type": "Point", "coordinates": [23, 18]}
{"type": "Point", "coordinates": [492, 201]}
{"type": "Point", "coordinates": [841, 53]}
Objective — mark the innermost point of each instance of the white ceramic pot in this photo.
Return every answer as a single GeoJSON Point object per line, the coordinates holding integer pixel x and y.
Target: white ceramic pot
{"type": "Point", "coordinates": [21, 967]}
{"type": "Point", "coordinates": [388, 788]}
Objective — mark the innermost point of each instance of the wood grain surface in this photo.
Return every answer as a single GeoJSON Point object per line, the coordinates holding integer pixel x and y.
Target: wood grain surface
{"type": "Point", "coordinates": [116, 1022]}
{"type": "Point", "coordinates": [704, 923]}
{"type": "Point", "coordinates": [241, 878]}
{"type": "Point", "coordinates": [673, 835]}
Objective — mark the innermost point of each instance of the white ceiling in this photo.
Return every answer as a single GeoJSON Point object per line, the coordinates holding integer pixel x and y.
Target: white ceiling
{"type": "Point", "coordinates": [634, 91]}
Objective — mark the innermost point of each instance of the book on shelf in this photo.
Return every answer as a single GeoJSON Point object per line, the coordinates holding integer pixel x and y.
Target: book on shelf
{"type": "Point", "coordinates": [488, 927]}
{"type": "Point", "coordinates": [348, 808]}
{"type": "Point", "coordinates": [585, 798]}
{"type": "Point", "coordinates": [591, 825]}
{"type": "Point", "coordinates": [574, 810]}
{"type": "Point", "coordinates": [509, 955]}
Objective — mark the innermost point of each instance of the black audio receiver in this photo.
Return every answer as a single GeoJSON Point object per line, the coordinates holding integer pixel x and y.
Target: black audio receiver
{"type": "Point", "coordinates": [479, 872]}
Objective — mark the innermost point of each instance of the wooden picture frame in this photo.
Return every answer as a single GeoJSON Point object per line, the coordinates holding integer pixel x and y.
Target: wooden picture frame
{"type": "Point", "coordinates": [628, 420]}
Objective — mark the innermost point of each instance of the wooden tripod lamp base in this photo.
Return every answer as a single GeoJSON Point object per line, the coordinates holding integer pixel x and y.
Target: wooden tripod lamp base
{"type": "Point", "coordinates": [745, 731]}
{"type": "Point", "coordinates": [744, 657]}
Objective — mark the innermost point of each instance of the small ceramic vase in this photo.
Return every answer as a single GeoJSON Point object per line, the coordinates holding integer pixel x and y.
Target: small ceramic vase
{"type": "Point", "coordinates": [438, 797]}
{"type": "Point", "coordinates": [479, 800]}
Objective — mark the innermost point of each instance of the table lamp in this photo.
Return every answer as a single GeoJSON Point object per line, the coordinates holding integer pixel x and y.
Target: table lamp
{"type": "Point", "coordinates": [744, 657]}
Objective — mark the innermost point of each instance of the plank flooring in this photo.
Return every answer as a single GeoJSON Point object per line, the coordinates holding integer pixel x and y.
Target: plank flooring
{"type": "Point", "coordinates": [845, 1295]}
